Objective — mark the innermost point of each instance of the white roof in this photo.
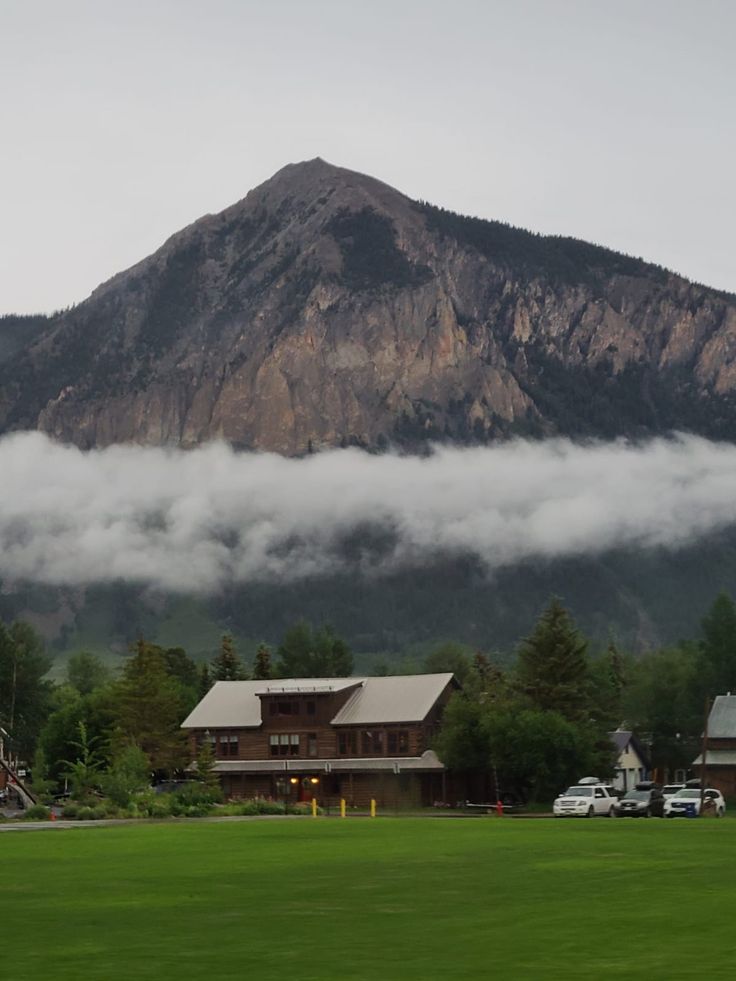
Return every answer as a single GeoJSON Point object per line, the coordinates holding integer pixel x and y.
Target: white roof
{"type": "Point", "coordinates": [395, 764]}
{"type": "Point", "coordinates": [398, 698]}
{"type": "Point", "coordinates": [722, 718]}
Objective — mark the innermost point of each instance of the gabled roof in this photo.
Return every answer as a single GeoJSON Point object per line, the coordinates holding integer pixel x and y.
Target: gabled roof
{"type": "Point", "coordinates": [398, 698]}
{"type": "Point", "coordinates": [621, 739]}
{"type": "Point", "coordinates": [722, 718]}
{"type": "Point", "coordinates": [624, 739]}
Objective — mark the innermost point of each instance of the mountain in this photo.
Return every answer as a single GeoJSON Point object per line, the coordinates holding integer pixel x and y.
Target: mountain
{"type": "Point", "coordinates": [327, 308]}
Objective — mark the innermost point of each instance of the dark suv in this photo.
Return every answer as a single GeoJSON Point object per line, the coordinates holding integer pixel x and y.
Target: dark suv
{"type": "Point", "coordinates": [646, 800]}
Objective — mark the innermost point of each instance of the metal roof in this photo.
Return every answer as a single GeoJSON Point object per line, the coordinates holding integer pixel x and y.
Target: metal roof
{"type": "Point", "coordinates": [306, 686]}
{"type": "Point", "coordinates": [428, 761]}
{"type": "Point", "coordinates": [722, 718]}
{"type": "Point", "coordinates": [717, 757]}
{"type": "Point", "coordinates": [397, 698]}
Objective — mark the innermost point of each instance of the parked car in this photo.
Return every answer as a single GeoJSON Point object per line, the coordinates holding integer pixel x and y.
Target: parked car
{"type": "Point", "coordinates": [645, 800]}
{"type": "Point", "coordinates": [670, 789]}
{"type": "Point", "coordinates": [684, 800]}
{"type": "Point", "coordinates": [584, 800]}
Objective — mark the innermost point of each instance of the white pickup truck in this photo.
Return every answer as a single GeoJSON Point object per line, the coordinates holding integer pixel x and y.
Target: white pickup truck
{"type": "Point", "coordinates": [587, 798]}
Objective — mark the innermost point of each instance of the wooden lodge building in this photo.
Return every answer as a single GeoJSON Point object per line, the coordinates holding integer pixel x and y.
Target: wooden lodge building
{"type": "Point", "coordinates": [329, 738]}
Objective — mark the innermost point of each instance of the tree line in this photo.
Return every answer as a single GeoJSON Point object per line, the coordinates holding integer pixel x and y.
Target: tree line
{"type": "Point", "coordinates": [533, 726]}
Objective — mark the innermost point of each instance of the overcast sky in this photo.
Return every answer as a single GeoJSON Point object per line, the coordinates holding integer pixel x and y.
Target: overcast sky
{"type": "Point", "coordinates": [122, 122]}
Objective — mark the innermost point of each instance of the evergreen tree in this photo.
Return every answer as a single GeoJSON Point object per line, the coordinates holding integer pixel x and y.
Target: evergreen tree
{"type": "Point", "coordinates": [227, 666]}
{"type": "Point", "coordinates": [25, 697]}
{"type": "Point", "coordinates": [553, 670]}
{"type": "Point", "coordinates": [85, 672]}
{"type": "Point", "coordinates": [295, 652]}
{"type": "Point", "coordinates": [206, 763]}
{"type": "Point", "coordinates": [718, 647]}
{"type": "Point", "coordinates": [450, 657]}
{"type": "Point", "coordinates": [150, 708]}
{"type": "Point", "coordinates": [306, 654]}
{"type": "Point", "coordinates": [333, 658]}
{"type": "Point", "coordinates": [262, 670]}
{"type": "Point", "coordinates": [205, 680]}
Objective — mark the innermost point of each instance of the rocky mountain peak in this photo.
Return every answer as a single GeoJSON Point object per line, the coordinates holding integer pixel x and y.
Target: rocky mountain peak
{"type": "Point", "coordinates": [327, 308]}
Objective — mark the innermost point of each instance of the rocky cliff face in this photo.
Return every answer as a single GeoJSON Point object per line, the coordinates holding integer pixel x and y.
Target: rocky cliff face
{"type": "Point", "coordinates": [326, 308]}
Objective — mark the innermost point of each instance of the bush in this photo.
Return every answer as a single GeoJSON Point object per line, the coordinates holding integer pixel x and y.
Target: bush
{"type": "Point", "coordinates": [85, 813]}
{"type": "Point", "coordinates": [37, 813]}
{"type": "Point", "coordinates": [129, 773]}
{"type": "Point", "coordinates": [303, 808]}
{"type": "Point", "coordinates": [71, 810]}
{"type": "Point", "coordinates": [194, 793]}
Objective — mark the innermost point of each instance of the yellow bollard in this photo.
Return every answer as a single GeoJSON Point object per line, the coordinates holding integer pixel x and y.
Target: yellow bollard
{"type": "Point", "coordinates": [314, 807]}
{"type": "Point", "coordinates": [373, 808]}
{"type": "Point", "coordinates": [342, 807]}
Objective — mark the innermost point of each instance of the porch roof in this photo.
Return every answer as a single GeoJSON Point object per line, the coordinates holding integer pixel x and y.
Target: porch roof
{"type": "Point", "coordinates": [426, 763]}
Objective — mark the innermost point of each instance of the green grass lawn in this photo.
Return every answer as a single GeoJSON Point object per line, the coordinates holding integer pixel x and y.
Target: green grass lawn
{"type": "Point", "coordinates": [389, 899]}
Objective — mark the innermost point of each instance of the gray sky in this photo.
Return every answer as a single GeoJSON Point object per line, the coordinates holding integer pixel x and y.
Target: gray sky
{"type": "Point", "coordinates": [123, 121]}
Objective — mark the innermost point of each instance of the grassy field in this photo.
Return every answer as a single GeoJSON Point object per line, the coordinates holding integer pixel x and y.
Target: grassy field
{"type": "Point", "coordinates": [390, 899]}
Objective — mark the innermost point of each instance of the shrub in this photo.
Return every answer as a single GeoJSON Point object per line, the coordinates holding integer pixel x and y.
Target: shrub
{"type": "Point", "coordinates": [302, 808]}
{"type": "Point", "coordinates": [130, 772]}
{"type": "Point", "coordinates": [71, 810]}
{"type": "Point", "coordinates": [195, 792]}
{"type": "Point", "coordinates": [37, 813]}
{"type": "Point", "coordinates": [85, 813]}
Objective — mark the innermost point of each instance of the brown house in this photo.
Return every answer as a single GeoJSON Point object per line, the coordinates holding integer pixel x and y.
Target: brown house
{"type": "Point", "coordinates": [330, 738]}
{"type": "Point", "coordinates": [720, 753]}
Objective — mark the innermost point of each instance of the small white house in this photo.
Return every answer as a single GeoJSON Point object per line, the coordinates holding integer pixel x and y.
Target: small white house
{"type": "Point", "coordinates": [632, 763]}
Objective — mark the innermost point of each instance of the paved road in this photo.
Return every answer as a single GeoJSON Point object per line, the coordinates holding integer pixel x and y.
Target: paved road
{"type": "Point", "coordinates": [114, 822]}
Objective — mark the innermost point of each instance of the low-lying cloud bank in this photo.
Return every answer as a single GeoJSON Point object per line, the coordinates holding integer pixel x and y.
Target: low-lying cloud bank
{"type": "Point", "coordinates": [196, 520]}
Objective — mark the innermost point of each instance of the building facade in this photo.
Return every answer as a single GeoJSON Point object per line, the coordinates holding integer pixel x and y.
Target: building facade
{"type": "Point", "coordinates": [632, 760]}
{"type": "Point", "coordinates": [720, 750]}
{"type": "Point", "coordinates": [355, 739]}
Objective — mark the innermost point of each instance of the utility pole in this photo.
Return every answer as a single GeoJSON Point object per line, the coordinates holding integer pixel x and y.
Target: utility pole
{"type": "Point", "coordinates": [703, 752]}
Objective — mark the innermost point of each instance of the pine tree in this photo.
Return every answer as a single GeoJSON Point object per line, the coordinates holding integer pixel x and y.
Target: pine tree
{"type": "Point", "coordinates": [262, 670]}
{"type": "Point", "coordinates": [227, 666]}
{"type": "Point", "coordinates": [150, 708]}
{"type": "Point", "coordinates": [718, 647]}
{"type": "Point", "coordinates": [553, 669]}
{"type": "Point", "coordinates": [205, 680]}
{"type": "Point", "coordinates": [206, 763]}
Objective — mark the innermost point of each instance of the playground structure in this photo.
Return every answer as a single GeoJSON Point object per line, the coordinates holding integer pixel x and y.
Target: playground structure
{"type": "Point", "coordinates": [9, 779]}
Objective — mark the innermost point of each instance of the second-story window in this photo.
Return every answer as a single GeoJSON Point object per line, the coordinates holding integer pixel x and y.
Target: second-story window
{"type": "Point", "coordinates": [284, 744]}
{"type": "Point", "coordinates": [311, 744]}
{"type": "Point", "coordinates": [398, 741]}
{"type": "Point", "coordinates": [371, 742]}
{"type": "Point", "coordinates": [227, 745]}
{"type": "Point", "coordinates": [347, 743]}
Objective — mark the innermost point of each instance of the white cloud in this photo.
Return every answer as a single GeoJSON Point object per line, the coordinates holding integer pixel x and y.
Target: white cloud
{"type": "Point", "coordinates": [194, 520]}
